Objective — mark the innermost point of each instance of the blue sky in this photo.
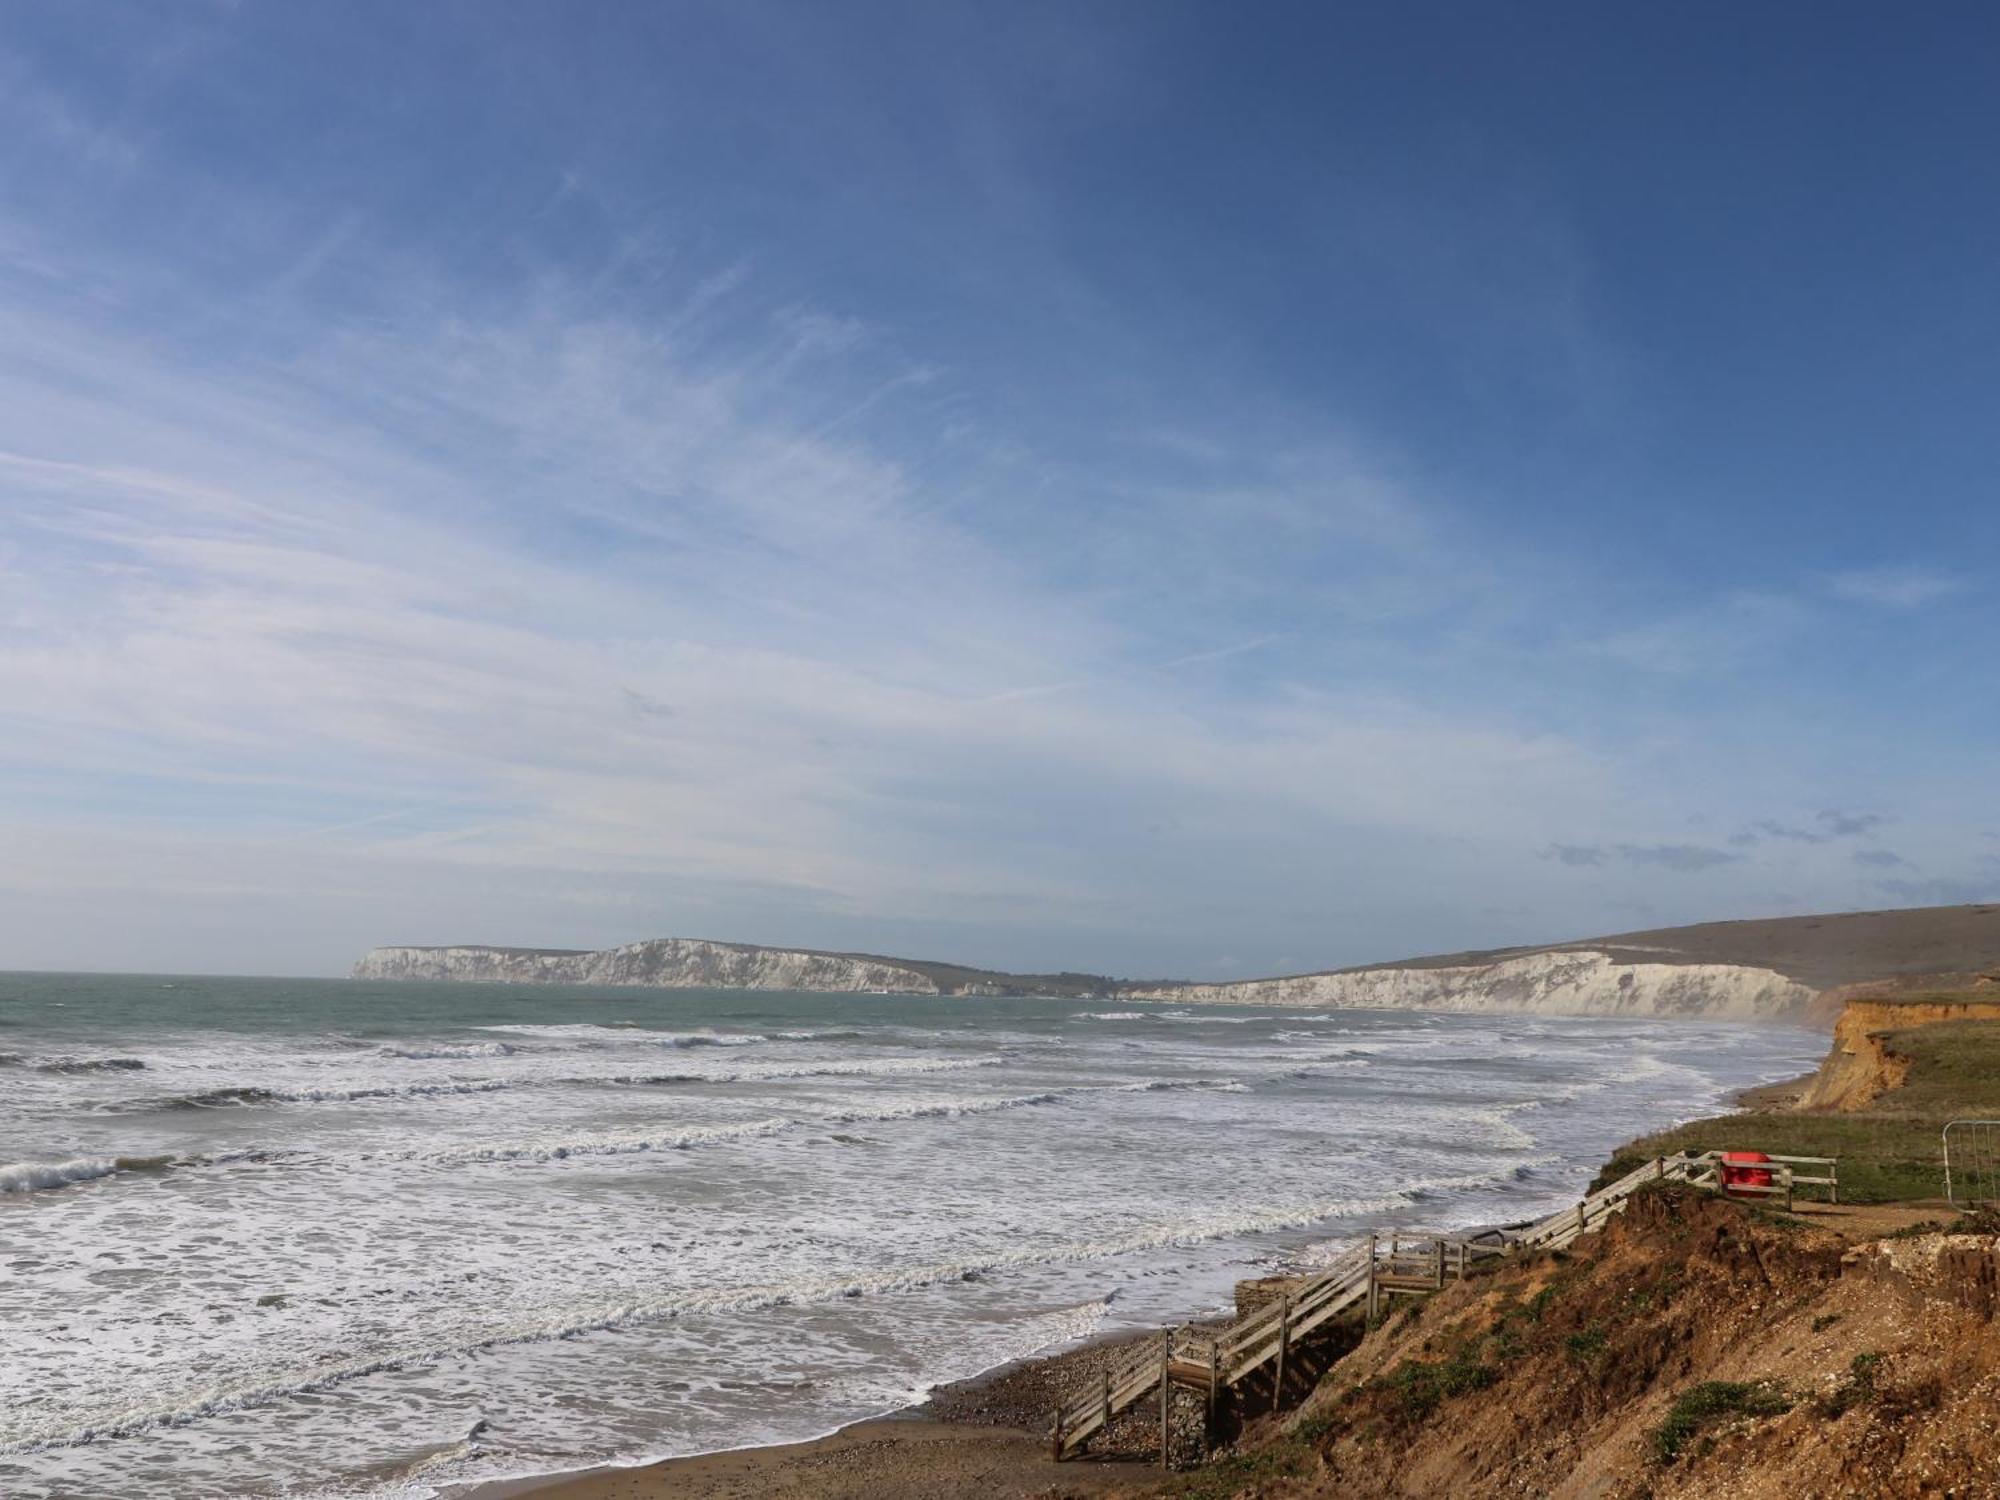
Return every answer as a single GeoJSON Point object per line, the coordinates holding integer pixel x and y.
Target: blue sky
{"type": "Point", "coordinates": [1135, 487]}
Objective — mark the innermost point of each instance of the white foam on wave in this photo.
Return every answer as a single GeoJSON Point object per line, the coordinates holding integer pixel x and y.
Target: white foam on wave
{"type": "Point", "coordinates": [642, 1139]}
{"type": "Point", "coordinates": [630, 1036]}
{"type": "Point", "coordinates": [224, 1098]}
{"type": "Point", "coordinates": [596, 1314]}
{"type": "Point", "coordinates": [888, 1067]}
{"type": "Point", "coordinates": [1210, 1020]}
{"type": "Point", "coordinates": [943, 1109]}
{"type": "Point", "coordinates": [444, 1051]}
{"type": "Point", "coordinates": [247, 1095]}
{"type": "Point", "coordinates": [29, 1176]}
{"type": "Point", "coordinates": [615, 1143]}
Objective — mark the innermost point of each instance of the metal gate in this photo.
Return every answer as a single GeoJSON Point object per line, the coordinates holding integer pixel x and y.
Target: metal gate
{"type": "Point", "coordinates": [1972, 1163]}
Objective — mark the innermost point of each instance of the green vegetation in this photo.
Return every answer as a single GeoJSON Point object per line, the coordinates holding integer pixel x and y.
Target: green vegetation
{"type": "Point", "coordinates": [1857, 1389]}
{"type": "Point", "coordinates": [1889, 1152]}
{"type": "Point", "coordinates": [1283, 1457]}
{"type": "Point", "coordinates": [1587, 1344]}
{"type": "Point", "coordinates": [1701, 1406]}
{"type": "Point", "coordinates": [1420, 1386]}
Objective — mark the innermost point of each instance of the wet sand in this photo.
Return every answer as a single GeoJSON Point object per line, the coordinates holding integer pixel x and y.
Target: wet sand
{"type": "Point", "coordinates": [981, 1439]}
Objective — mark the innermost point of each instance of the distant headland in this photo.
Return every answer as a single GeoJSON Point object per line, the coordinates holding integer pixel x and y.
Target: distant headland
{"type": "Point", "coordinates": [1775, 969]}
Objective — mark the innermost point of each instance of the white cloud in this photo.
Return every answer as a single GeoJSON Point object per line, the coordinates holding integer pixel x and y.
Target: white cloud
{"type": "Point", "coordinates": [1904, 587]}
{"type": "Point", "coordinates": [401, 591]}
{"type": "Point", "coordinates": [672, 621]}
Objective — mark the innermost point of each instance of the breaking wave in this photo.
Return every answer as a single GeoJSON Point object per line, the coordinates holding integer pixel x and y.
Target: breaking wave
{"type": "Point", "coordinates": [768, 1073]}
{"type": "Point", "coordinates": [239, 1095]}
{"type": "Point", "coordinates": [1170, 1085]}
{"type": "Point", "coordinates": [35, 1176]}
{"type": "Point", "coordinates": [615, 1144]}
{"type": "Point", "coordinates": [72, 1064]}
{"type": "Point", "coordinates": [627, 1311]}
{"type": "Point", "coordinates": [619, 1143]}
{"type": "Point", "coordinates": [244, 1095]}
{"type": "Point", "coordinates": [585, 1035]}
{"type": "Point", "coordinates": [445, 1050]}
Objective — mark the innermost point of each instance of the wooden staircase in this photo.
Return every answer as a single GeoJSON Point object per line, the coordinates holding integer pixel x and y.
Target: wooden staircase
{"type": "Point", "coordinates": [1402, 1264]}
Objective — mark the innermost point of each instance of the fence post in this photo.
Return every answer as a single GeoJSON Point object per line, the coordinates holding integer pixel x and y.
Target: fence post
{"type": "Point", "coordinates": [1107, 1402]}
{"type": "Point", "coordinates": [1284, 1347]}
{"type": "Point", "coordinates": [1166, 1400]}
{"type": "Point", "coordinates": [1214, 1392]}
{"type": "Point", "coordinates": [1055, 1442]}
{"type": "Point", "coordinates": [1374, 1295]}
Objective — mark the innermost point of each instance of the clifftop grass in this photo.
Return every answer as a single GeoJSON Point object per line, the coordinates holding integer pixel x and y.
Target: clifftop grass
{"type": "Point", "coordinates": [1889, 1152]}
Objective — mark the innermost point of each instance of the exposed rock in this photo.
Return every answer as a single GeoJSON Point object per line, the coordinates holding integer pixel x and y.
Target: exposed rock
{"type": "Point", "coordinates": [1569, 982]}
{"type": "Point", "coordinates": [661, 963]}
{"type": "Point", "coordinates": [1864, 1064]}
{"type": "Point", "coordinates": [1766, 970]}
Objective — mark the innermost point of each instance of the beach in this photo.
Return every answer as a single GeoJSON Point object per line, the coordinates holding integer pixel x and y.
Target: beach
{"type": "Point", "coordinates": [986, 1439]}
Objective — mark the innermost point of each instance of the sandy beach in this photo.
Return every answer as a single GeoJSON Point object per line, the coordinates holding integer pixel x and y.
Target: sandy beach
{"type": "Point", "coordinates": [983, 1439]}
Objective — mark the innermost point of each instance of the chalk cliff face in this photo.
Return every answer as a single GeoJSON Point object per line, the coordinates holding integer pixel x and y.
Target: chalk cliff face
{"type": "Point", "coordinates": [1566, 983]}
{"type": "Point", "coordinates": [662, 963]}
{"type": "Point", "coordinates": [1570, 982]}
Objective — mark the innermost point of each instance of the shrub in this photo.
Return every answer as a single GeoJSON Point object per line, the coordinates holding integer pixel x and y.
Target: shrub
{"type": "Point", "coordinates": [1588, 1344]}
{"type": "Point", "coordinates": [1705, 1404]}
{"type": "Point", "coordinates": [1858, 1387]}
{"type": "Point", "coordinates": [1420, 1385]}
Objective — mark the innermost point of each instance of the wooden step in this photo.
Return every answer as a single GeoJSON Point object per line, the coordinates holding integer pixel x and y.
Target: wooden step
{"type": "Point", "coordinates": [1410, 1265]}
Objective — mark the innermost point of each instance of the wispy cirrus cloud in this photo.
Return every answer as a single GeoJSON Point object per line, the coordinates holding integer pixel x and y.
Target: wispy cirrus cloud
{"type": "Point", "coordinates": [1683, 858]}
{"type": "Point", "coordinates": [572, 538]}
{"type": "Point", "coordinates": [1826, 825]}
{"type": "Point", "coordinates": [544, 593]}
{"type": "Point", "coordinates": [1906, 586]}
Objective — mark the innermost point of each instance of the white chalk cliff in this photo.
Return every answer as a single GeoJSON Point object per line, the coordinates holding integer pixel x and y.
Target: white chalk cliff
{"type": "Point", "coordinates": [663, 963]}
{"type": "Point", "coordinates": [1562, 982]}
{"type": "Point", "coordinates": [1569, 982]}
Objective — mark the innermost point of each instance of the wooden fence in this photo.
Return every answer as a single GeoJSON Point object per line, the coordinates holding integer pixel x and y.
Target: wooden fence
{"type": "Point", "coordinates": [1401, 1263]}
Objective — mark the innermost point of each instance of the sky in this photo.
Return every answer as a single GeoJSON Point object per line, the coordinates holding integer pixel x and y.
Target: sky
{"type": "Point", "coordinates": [1148, 488]}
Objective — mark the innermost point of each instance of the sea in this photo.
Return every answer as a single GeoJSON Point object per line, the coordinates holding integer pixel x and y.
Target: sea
{"type": "Point", "coordinates": [340, 1238]}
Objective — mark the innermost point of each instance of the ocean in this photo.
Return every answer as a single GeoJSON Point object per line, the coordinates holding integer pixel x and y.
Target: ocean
{"type": "Point", "coordinates": [290, 1237]}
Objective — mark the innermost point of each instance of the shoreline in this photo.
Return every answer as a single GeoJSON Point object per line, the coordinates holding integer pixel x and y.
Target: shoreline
{"type": "Point", "coordinates": [985, 1437]}
{"type": "Point", "coordinates": [1773, 1098]}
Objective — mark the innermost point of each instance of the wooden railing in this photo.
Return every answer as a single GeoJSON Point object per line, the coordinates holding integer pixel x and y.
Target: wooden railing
{"type": "Point", "coordinates": [1404, 1263]}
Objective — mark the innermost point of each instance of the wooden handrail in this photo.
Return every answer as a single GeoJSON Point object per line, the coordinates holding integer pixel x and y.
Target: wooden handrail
{"type": "Point", "coordinates": [1410, 1262]}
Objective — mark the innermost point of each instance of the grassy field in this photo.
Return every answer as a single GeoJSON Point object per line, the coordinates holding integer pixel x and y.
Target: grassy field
{"type": "Point", "coordinates": [1890, 1152]}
